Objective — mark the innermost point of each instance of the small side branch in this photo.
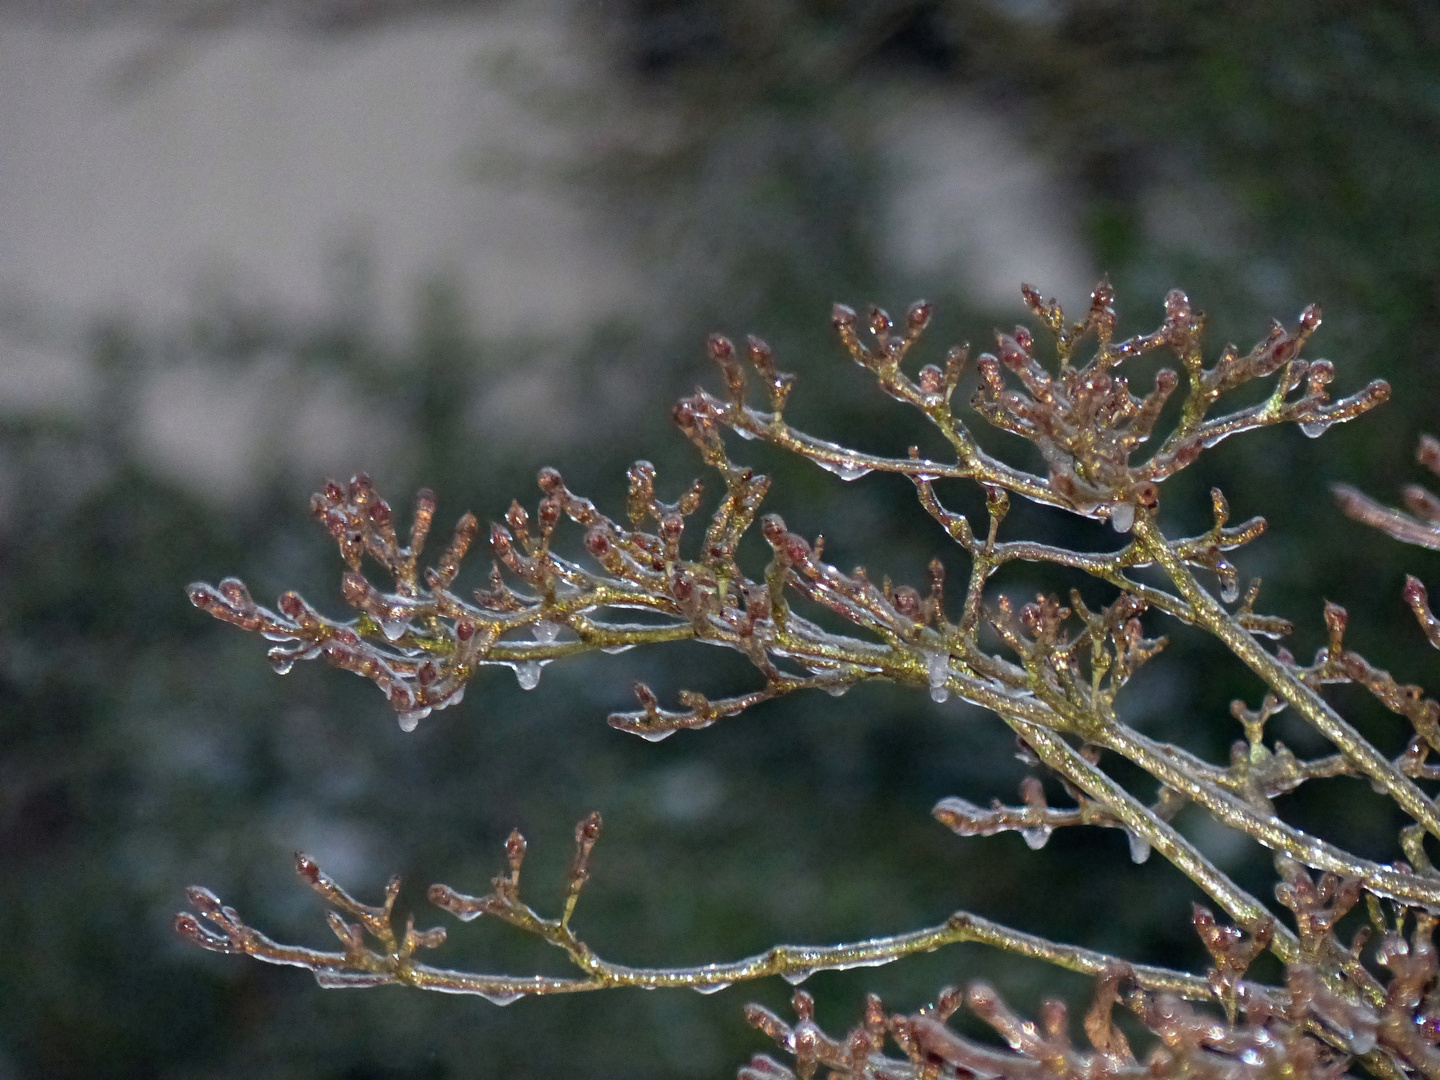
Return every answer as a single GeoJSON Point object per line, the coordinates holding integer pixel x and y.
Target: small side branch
{"type": "Point", "coordinates": [390, 960]}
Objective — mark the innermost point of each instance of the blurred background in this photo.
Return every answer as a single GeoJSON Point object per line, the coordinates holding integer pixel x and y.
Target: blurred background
{"type": "Point", "coordinates": [247, 245]}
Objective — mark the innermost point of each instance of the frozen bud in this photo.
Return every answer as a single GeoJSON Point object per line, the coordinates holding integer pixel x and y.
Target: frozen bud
{"type": "Point", "coordinates": [515, 850]}
{"type": "Point", "coordinates": [1310, 319]}
{"type": "Point", "coordinates": [587, 830]}
{"type": "Point", "coordinates": [880, 322]}
{"type": "Point", "coordinates": [360, 484]}
{"type": "Point", "coordinates": [1024, 338]}
{"type": "Point", "coordinates": [1220, 505]}
{"type": "Point", "coordinates": [803, 1004]}
{"type": "Point", "coordinates": [997, 500]}
{"type": "Point", "coordinates": [517, 518]}
{"type": "Point", "coordinates": [671, 526]}
{"type": "Point", "coordinates": [354, 588]}
{"type": "Point", "coordinates": [988, 367]}
{"type": "Point", "coordinates": [948, 1002]}
{"type": "Point", "coordinates": [1147, 494]}
{"type": "Point", "coordinates": [1165, 381]}
{"type": "Point", "coordinates": [307, 868]}
{"type": "Point", "coordinates": [1336, 618]}
{"type": "Point", "coordinates": [1414, 592]}
{"type": "Point", "coordinates": [1177, 304]}
{"type": "Point", "coordinates": [426, 939]}
{"type": "Point", "coordinates": [690, 501]}
{"type": "Point", "coordinates": [334, 493]}
{"type": "Point", "coordinates": [796, 549]}
{"type": "Point", "coordinates": [918, 317]}
{"type": "Point", "coordinates": [548, 513]}
{"type": "Point", "coordinates": [931, 379]}
{"type": "Point", "coordinates": [1053, 1018]}
{"type": "Point", "coordinates": [380, 512]}
{"type": "Point", "coordinates": [203, 900]}
{"type": "Point", "coordinates": [682, 588]}
{"type": "Point", "coordinates": [427, 673]}
{"type": "Point", "coordinates": [291, 604]}
{"type": "Point", "coordinates": [464, 630]}
{"type": "Point", "coordinates": [773, 528]}
{"type": "Point", "coordinates": [720, 348]}
{"type": "Point", "coordinates": [550, 481]}
{"type": "Point", "coordinates": [646, 697]}
{"type": "Point", "coordinates": [235, 593]}
{"type": "Point", "coordinates": [760, 355]}
{"type": "Point", "coordinates": [500, 541]}
{"type": "Point", "coordinates": [599, 542]}
{"type": "Point", "coordinates": [842, 316]}
{"type": "Point", "coordinates": [907, 602]}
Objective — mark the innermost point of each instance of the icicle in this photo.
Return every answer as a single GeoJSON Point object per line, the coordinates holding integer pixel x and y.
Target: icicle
{"type": "Point", "coordinates": [795, 978]}
{"type": "Point", "coordinates": [937, 667]}
{"type": "Point", "coordinates": [616, 650]}
{"type": "Point", "coordinates": [545, 630]}
{"type": "Point", "coordinates": [837, 689]}
{"type": "Point", "coordinates": [501, 999]}
{"type": "Point", "coordinates": [1315, 428]}
{"type": "Point", "coordinates": [1139, 847]}
{"type": "Point", "coordinates": [711, 988]}
{"type": "Point", "coordinates": [409, 721]}
{"type": "Point", "coordinates": [1036, 836]}
{"type": "Point", "coordinates": [655, 734]}
{"type": "Point", "coordinates": [937, 673]}
{"type": "Point", "coordinates": [527, 674]}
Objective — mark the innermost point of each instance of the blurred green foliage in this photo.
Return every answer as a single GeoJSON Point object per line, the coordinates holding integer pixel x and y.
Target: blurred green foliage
{"type": "Point", "coordinates": [144, 747]}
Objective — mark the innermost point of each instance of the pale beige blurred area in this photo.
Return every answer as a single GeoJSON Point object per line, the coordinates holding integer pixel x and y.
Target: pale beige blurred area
{"type": "Point", "coordinates": [247, 162]}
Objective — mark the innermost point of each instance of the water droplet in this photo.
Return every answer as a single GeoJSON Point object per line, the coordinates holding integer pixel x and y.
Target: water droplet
{"type": "Point", "coordinates": [939, 695]}
{"type": "Point", "coordinates": [394, 628]}
{"type": "Point", "coordinates": [1229, 590]}
{"type": "Point", "coordinates": [845, 470]}
{"type": "Point", "coordinates": [1036, 836]}
{"type": "Point", "coordinates": [409, 721]}
{"type": "Point", "coordinates": [453, 698]}
{"type": "Point", "coordinates": [937, 667]}
{"type": "Point", "coordinates": [616, 650]}
{"type": "Point", "coordinates": [746, 434]}
{"type": "Point", "coordinates": [837, 690]}
{"type": "Point", "coordinates": [795, 978]}
{"type": "Point", "coordinates": [712, 988]}
{"type": "Point", "coordinates": [1139, 848]}
{"type": "Point", "coordinates": [545, 630]}
{"type": "Point", "coordinates": [1122, 517]}
{"type": "Point", "coordinates": [1315, 428]}
{"type": "Point", "coordinates": [527, 674]}
{"type": "Point", "coordinates": [501, 999]}
{"type": "Point", "coordinates": [656, 734]}
{"type": "Point", "coordinates": [282, 663]}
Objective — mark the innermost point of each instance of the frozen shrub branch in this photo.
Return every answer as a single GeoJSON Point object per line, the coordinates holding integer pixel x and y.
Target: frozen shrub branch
{"type": "Point", "coordinates": [1051, 670]}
